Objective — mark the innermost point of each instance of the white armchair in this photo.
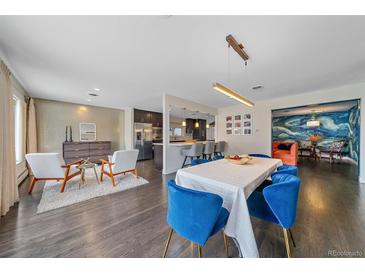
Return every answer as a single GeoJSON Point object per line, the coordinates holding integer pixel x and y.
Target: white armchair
{"type": "Point", "coordinates": [121, 162]}
{"type": "Point", "coordinates": [51, 166]}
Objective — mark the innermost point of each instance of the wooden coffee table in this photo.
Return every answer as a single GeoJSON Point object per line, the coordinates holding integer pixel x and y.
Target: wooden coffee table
{"type": "Point", "coordinates": [83, 167]}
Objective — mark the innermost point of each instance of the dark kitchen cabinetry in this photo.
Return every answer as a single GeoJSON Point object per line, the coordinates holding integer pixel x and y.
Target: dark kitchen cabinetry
{"type": "Point", "coordinates": [190, 126]}
{"type": "Point", "coordinates": [156, 119]}
{"type": "Point", "coordinates": [199, 133]}
{"type": "Point", "coordinates": [143, 116]}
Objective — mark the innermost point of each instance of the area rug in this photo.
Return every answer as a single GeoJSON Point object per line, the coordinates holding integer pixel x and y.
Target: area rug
{"type": "Point", "coordinates": [75, 193]}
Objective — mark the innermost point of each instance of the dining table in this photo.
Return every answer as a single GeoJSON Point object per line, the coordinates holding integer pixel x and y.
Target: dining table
{"type": "Point", "coordinates": [234, 183]}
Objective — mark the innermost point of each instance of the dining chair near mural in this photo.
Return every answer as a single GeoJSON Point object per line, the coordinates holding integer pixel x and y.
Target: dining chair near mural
{"type": "Point", "coordinates": [208, 150]}
{"type": "Point", "coordinates": [284, 169]}
{"type": "Point", "coordinates": [219, 148]}
{"type": "Point", "coordinates": [305, 146]}
{"type": "Point", "coordinates": [336, 149]}
{"type": "Point", "coordinates": [259, 155]}
{"type": "Point", "coordinates": [194, 215]}
{"type": "Point", "coordinates": [198, 162]}
{"type": "Point", "coordinates": [196, 150]}
{"type": "Point", "coordinates": [277, 204]}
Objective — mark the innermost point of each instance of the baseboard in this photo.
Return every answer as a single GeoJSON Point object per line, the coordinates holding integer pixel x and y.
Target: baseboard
{"type": "Point", "coordinates": [22, 176]}
{"type": "Point", "coordinates": [165, 172]}
{"type": "Point", "coordinates": [352, 161]}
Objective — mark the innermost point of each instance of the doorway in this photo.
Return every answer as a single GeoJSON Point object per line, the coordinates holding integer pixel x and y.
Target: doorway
{"type": "Point", "coordinates": [328, 132]}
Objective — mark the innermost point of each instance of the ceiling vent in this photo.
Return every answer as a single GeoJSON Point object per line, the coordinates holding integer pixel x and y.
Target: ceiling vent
{"type": "Point", "coordinates": [257, 87]}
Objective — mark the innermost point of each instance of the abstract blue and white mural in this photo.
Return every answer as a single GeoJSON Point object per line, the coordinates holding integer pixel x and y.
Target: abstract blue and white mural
{"type": "Point", "coordinates": [354, 133]}
{"type": "Point", "coordinates": [334, 126]}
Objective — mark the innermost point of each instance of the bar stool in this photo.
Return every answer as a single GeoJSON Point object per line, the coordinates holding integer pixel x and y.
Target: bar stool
{"type": "Point", "coordinates": [208, 150]}
{"type": "Point", "coordinates": [196, 150]}
{"type": "Point", "coordinates": [219, 148]}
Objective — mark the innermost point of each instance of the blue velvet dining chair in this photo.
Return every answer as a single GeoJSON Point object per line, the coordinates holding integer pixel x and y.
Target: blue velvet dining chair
{"type": "Point", "coordinates": [259, 155]}
{"type": "Point", "coordinates": [277, 204]}
{"type": "Point", "coordinates": [194, 215]}
{"type": "Point", "coordinates": [218, 157]}
{"type": "Point", "coordinates": [292, 170]}
{"type": "Point", "coordinates": [198, 162]}
{"type": "Point", "coordinates": [284, 169]}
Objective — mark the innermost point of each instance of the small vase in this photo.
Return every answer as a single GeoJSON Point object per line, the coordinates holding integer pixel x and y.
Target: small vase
{"type": "Point", "coordinates": [66, 134]}
{"type": "Point", "coordinates": [71, 134]}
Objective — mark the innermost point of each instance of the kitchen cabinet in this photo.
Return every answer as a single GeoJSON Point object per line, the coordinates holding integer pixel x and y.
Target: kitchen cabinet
{"type": "Point", "coordinates": [156, 119]}
{"type": "Point", "coordinates": [199, 133]}
{"type": "Point", "coordinates": [143, 116]}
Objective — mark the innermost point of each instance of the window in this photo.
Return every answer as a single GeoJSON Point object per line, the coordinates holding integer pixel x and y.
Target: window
{"type": "Point", "coordinates": [17, 107]}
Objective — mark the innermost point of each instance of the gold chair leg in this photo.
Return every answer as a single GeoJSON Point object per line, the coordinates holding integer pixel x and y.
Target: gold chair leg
{"type": "Point", "coordinates": [225, 243]}
{"type": "Point", "coordinates": [292, 238]}
{"type": "Point", "coordinates": [200, 251]}
{"type": "Point", "coordinates": [287, 242]}
{"type": "Point", "coordinates": [167, 243]}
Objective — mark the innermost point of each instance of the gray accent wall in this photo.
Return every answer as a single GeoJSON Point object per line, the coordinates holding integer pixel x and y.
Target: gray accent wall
{"type": "Point", "coordinates": [53, 116]}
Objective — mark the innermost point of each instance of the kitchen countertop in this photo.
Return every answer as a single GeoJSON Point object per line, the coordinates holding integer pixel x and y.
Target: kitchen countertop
{"type": "Point", "coordinates": [180, 144]}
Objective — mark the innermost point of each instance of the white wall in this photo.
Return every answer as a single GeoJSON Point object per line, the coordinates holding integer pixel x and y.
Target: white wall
{"type": "Point", "coordinates": [170, 160]}
{"type": "Point", "coordinates": [128, 128]}
{"type": "Point", "coordinates": [260, 140]}
{"type": "Point", "coordinates": [53, 116]}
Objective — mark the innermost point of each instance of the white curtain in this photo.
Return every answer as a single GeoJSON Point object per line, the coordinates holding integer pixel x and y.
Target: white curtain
{"type": "Point", "coordinates": [31, 128]}
{"type": "Point", "coordinates": [8, 187]}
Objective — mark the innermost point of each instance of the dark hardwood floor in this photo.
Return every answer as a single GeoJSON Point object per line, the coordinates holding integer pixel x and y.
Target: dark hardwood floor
{"type": "Point", "coordinates": [331, 216]}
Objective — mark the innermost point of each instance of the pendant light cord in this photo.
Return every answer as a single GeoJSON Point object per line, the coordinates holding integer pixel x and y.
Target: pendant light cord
{"type": "Point", "coordinates": [228, 65]}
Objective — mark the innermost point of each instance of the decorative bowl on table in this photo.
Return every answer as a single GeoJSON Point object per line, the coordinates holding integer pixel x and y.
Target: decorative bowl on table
{"type": "Point", "coordinates": [238, 160]}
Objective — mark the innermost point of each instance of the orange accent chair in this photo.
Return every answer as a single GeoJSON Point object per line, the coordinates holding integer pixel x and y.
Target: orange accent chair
{"type": "Point", "coordinates": [289, 157]}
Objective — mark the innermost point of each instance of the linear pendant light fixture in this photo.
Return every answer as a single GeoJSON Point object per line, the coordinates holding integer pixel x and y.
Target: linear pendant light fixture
{"type": "Point", "coordinates": [232, 94]}
{"type": "Point", "coordinates": [232, 42]}
{"type": "Point", "coordinates": [237, 47]}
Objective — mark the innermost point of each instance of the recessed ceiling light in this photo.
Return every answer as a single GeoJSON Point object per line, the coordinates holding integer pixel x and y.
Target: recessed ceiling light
{"type": "Point", "coordinates": [93, 94]}
{"type": "Point", "coordinates": [89, 100]}
{"type": "Point", "coordinates": [97, 89]}
{"type": "Point", "coordinates": [257, 87]}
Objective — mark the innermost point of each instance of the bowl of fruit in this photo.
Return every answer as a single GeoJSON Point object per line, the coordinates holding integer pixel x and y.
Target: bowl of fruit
{"type": "Point", "coordinates": [238, 160]}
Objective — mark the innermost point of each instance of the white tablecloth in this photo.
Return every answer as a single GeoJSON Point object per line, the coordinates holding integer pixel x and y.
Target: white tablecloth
{"type": "Point", "coordinates": [234, 183]}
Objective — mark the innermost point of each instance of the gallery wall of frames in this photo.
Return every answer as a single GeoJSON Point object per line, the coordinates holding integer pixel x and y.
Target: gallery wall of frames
{"type": "Point", "coordinates": [239, 124]}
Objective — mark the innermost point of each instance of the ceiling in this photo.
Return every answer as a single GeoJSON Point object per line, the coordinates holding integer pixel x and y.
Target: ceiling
{"type": "Point", "coordinates": [330, 107]}
{"type": "Point", "coordinates": [179, 114]}
{"type": "Point", "coordinates": [135, 59]}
